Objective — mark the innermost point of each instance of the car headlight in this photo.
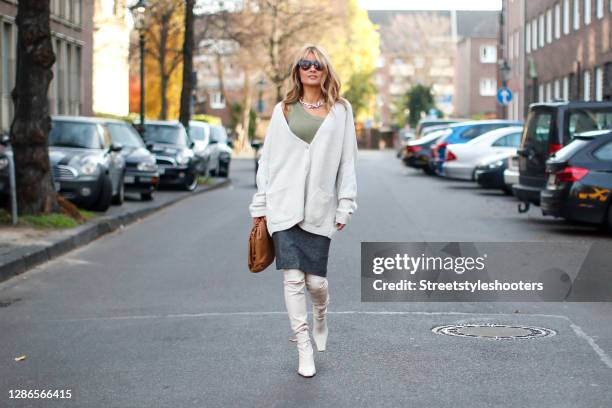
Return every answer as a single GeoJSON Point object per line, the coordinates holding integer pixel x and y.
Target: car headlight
{"type": "Point", "coordinates": [496, 165]}
{"type": "Point", "coordinates": [147, 166]}
{"type": "Point", "coordinates": [88, 166]}
{"type": "Point", "coordinates": [182, 159]}
{"type": "Point", "coordinates": [4, 162]}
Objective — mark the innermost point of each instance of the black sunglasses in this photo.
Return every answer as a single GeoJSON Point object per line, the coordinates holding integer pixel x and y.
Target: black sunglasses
{"type": "Point", "coordinates": [306, 64]}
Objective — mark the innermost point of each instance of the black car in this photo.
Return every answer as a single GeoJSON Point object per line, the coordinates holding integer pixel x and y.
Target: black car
{"type": "Point", "coordinates": [550, 126]}
{"type": "Point", "coordinates": [490, 173]}
{"type": "Point", "coordinates": [141, 175]}
{"type": "Point", "coordinates": [87, 167]}
{"type": "Point", "coordinates": [416, 152]}
{"type": "Point", "coordinates": [579, 180]}
{"type": "Point", "coordinates": [173, 150]}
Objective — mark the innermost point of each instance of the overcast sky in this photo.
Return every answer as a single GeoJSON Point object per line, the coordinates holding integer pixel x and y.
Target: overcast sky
{"type": "Point", "coordinates": [431, 4]}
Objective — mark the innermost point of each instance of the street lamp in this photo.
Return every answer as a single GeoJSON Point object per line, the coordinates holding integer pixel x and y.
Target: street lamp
{"type": "Point", "coordinates": [138, 14]}
{"type": "Point", "coordinates": [261, 85]}
{"type": "Point", "coordinates": [505, 72]}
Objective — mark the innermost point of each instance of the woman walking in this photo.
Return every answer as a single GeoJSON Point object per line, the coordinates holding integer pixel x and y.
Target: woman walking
{"type": "Point", "coordinates": [307, 190]}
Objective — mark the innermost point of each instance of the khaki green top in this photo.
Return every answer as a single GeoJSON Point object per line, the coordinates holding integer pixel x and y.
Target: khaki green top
{"type": "Point", "coordinates": [302, 123]}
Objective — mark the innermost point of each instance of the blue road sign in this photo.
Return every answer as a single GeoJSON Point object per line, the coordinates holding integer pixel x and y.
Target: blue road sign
{"type": "Point", "coordinates": [504, 96]}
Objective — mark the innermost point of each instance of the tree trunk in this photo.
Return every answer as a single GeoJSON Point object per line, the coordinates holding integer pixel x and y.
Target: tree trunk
{"type": "Point", "coordinates": [163, 38]}
{"type": "Point", "coordinates": [187, 89]}
{"type": "Point", "coordinates": [243, 138]}
{"type": "Point", "coordinates": [31, 124]}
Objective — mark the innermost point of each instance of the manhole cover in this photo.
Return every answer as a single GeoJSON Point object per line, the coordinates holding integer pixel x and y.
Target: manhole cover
{"type": "Point", "coordinates": [493, 331]}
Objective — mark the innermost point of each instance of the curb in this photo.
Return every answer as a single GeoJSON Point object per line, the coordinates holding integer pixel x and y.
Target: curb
{"type": "Point", "coordinates": [23, 260]}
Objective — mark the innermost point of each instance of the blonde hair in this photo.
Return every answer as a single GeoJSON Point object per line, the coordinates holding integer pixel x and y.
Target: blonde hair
{"type": "Point", "coordinates": [330, 83]}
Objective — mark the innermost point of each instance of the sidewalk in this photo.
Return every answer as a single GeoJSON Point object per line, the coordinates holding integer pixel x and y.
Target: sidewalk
{"type": "Point", "coordinates": [22, 248]}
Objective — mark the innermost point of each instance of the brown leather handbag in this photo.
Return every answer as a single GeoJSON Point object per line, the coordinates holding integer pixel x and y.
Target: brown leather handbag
{"type": "Point", "coordinates": [261, 247]}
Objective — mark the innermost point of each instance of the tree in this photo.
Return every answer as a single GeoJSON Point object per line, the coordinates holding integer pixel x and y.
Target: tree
{"type": "Point", "coordinates": [31, 123]}
{"type": "Point", "coordinates": [419, 99]}
{"type": "Point", "coordinates": [164, 56]}
{"type": "Point", "coordinates": [187, 89]}
{"type": "Point", "coordinates": [354, 47]}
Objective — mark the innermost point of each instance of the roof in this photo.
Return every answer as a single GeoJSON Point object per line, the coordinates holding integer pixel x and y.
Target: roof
{"type": "Point", "coordinates": [478, 24]}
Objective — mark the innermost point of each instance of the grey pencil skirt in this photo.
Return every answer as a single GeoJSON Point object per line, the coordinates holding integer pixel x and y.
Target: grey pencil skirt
{"type": "Point", "coordinates": [296, 248]}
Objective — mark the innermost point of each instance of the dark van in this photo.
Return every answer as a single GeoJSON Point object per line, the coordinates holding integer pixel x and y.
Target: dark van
{"type": "Point", "coordinates": [549, 127]}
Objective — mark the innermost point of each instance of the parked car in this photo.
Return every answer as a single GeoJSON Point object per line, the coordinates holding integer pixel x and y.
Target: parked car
{"type": "Point", "coordinates": [417, 151]}
{"type": "Point", "coordinates": [88, 168]}
{"type": "Point", "coordinates": [199, 132]}
{"type": "Point", "coordinates": [141, 173]}
{"type": "Point", "coordinates": [550, 126]}
{"type": "Point", "coordinates": [426, 123]}
{"type": "Point", "coordinates": [511, 174]}
{"type": "Point", "coordinates": [460, 160]}
{"type": "Point", "coordinates": [579, 180]}
{"type": "Point", "coordinates": [404, 136]}
{"type": "Point", "coordinates": [489, 173]}
{"type": "Point", "coordinates": [220, 152]}
{"type": "Point", "coordinates": [463, 133]}
{"type": "Point", "coordinates": [173, 151]}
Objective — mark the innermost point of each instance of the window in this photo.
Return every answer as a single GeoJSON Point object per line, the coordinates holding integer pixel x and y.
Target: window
{"type": "Point", "coordinates": [587, 12]}
{"type": "Point", "coordinates": [534, 30]}
{"type": "Point", "coordinates": [558, 21]}
{"type": "Point", "coordinates": [528, 38]}
{"type": "Point", "coordinates": [542, 30]}
{"type": "Point", "coordinates": [549, 91]}
{"type": "Point", "coordinates": [604, 152]}
{"type": "Point", "coordinates": [586, 120]}
{"type": "Point", "coordinates": [566, 16]}
{"type": "Point", "coordinates": [566, 83]}
{"type": "Point", "coordinates": [600, 8]}
{"type": "Point", "coordinates": [510, 43]}
{"type": "Point", "coordinates": [557, 89]}
{"type": "Point", "coordinates": [576, 14]}
{"type": "Point", "coordinates": [541, 93]}
{"type": "Point", "coordinates": [598, 84]}
{"type": "Point", "coordinates": [517, 39]}
{"type": "Point", "coordinates": [8, 76]}
{"type": "Point", "coordinates": [487, 87]}
{"type": "Point", "coordinates": [488, 54]}
{"type": "Point", "coordinates": [217, 101]}
{"type": "Point", "coordinates": [538, 135]}
{"type": "Point", "coordinates": [586, 86]}
{"type": "Point", "coordinates": [549, 26]}
{"type": "Point", "coordinates": [511, 140]}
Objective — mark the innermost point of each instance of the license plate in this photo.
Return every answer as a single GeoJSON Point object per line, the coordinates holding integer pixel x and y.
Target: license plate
{"type": "Point", "coordinates": [129, 179]}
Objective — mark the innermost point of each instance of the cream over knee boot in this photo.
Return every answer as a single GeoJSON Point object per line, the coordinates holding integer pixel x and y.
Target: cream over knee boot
{"type": "Point", "coordinates": [295, 300]}
{"type": "Point", "coordinates": [318, 288]}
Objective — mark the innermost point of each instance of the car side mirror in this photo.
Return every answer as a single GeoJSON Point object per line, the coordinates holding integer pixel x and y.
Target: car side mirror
{"type": "Point", "coordinates": [116, 147]}
{"type": "Point", "coordinates": [191, 144]}
{"type": "Point", "coordinates": [230, 143]}
{"type": "Point", "coordinates": [149, 146]}
{"type": "Point", "coordinates": [5, 140]}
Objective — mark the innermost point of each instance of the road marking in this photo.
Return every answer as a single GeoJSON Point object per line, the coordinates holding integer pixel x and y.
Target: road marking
{"type": "Point", "coordinates": [602, 354]}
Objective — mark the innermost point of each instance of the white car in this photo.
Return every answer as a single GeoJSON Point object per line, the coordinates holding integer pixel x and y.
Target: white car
{"type": "Point", "coordinates": [461, 159]}
{"type": "Point", "coordinates": [511, 174]}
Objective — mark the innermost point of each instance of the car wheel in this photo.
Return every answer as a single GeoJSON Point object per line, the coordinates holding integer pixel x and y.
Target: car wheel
{"type": "Point", "coordinates": [191, 182]}
{"type": "Point", "coordinates": [146, 196]}
{"type": "Point", "coordinates": [106, 195]}
{"type": "Point", "coordinates": [224, 170]}
{"type": "Point", "coordinates": [120, 196]}
{"type": "Point", "coordinates": [429, 171]}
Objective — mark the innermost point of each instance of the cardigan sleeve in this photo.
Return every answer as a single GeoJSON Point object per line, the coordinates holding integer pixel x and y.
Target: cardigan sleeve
{"type": "Point", "coordinates": [346, 182]}
{"type": "Point", "coordinates": [257, 208]}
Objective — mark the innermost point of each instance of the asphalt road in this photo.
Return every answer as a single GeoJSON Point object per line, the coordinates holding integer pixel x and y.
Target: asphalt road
{"type": "Point", "coordinates": [164, 313]}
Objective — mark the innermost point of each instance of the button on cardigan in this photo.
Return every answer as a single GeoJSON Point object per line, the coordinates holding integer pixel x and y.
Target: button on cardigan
{"type": "Point", "coordinates": [310, 184]}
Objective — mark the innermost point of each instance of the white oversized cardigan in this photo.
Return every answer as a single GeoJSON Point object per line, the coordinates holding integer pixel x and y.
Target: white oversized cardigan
{"type": "Point", "coordinates": [313, 185]}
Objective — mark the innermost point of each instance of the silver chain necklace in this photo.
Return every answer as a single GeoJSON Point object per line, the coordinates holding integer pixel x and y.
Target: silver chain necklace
{"type": "Point", "coordinates": [316, 105]}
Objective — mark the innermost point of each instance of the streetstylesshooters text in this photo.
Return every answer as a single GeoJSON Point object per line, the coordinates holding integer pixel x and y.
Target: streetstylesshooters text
{"type": "Point", "coordinates": [458, 265]}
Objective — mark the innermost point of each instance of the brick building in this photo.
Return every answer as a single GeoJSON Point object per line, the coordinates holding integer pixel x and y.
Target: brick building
{"type": "Point", "coordinates": [512, 51]}
{"type": "Point", "coordinates": [476, 64]}
{"type": "Point", "coordinates": [70, 91]}
{"type": "Point", "coordinates": [568, 47]}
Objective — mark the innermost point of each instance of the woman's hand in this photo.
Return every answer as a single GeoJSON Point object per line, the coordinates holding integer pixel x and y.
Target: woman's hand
{"type": "Point", "coordinates": [339, 226]}
{"type": "Point", "coordinates": [256, 219]}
